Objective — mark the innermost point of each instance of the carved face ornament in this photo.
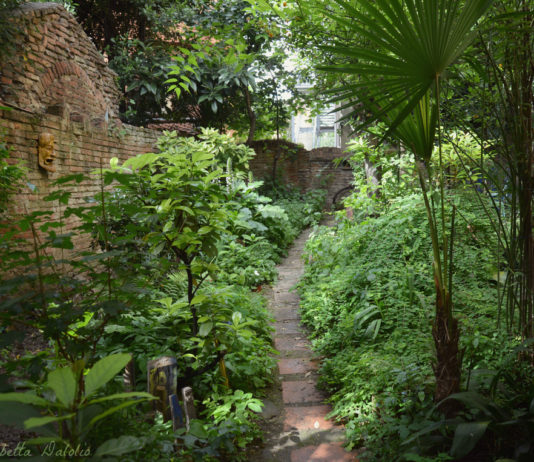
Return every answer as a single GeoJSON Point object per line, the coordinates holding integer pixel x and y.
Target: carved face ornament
{"type": "Point", "coordinates": [47, 155]}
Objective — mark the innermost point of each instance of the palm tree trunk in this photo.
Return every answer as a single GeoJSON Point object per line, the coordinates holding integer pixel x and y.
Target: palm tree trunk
{"type": "Point", "coordinates": [446, 333]}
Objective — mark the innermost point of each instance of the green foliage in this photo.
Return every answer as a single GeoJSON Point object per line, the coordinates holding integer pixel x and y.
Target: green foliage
{"type": "Point", "coordinates": [254, 255]}
{"type": "Point", "coordinates": [11, 175]}
{"type": "Point", "coordinates": [142, 68]}
{"type": "Point", "coordinates": [73, 407]}
{"type": "Point", "coordinates": [262, 229]}
{"type": "Point", "coordinates": [394, 175]}
{"type": "Point", "coordinates": [231, 317]}
{"type": "Point", "coordinates": [69, 307]}
{"type": "Point", "coordinates": [212, 72]}
{"type": "Point", "coordinates": [226, 428]}
{"type": "Point", "coordinates": [367, 297]}
{"type": "Point", "coordinates": [495, 415]}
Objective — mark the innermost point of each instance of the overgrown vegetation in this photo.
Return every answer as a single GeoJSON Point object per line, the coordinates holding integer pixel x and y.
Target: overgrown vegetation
{"type": "Point", "coordinates": [367, 298]}
{"type": "Point", "coordinates": [181, 237]}
{"type": "Point", "coordinates": [421, 303]}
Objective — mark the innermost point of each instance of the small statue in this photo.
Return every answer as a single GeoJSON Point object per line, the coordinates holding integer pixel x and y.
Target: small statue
{"type": "Point", "coordinates": [47, 154]}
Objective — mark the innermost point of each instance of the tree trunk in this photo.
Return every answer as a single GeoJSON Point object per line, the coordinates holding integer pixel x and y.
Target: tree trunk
{"type": "Point", "coordinates": [373, 175]}
{"type": "Point", "coordinates": [251, 116]}
{"type": "Point", "coordinates": [446, 333]}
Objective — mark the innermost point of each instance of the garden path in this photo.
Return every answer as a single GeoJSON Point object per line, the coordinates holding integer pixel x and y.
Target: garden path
{"type": "Point", "coordinates": [293, 421]}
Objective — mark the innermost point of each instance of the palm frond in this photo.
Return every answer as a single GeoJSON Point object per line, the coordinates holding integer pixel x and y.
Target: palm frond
{"type": "Point", "coordinates": [403, 48]}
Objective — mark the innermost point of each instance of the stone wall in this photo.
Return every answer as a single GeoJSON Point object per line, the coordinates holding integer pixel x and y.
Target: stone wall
{"type": "Point", "coordinates": [57, 82]}
{"type": "Point", "coordinates": [302, 168]}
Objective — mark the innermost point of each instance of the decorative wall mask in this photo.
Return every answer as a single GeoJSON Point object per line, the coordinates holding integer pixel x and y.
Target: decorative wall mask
{"type": "Point", "coordinates": [47, 155]}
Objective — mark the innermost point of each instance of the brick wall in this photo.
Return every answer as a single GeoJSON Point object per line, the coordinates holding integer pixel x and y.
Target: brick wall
{"type": "Point", "coordinates": [57, 82]}
{"type": "Point", "coordinates": [56, 68]}
{"type": "Point", "coordinates": [301, 168]}
{"type": "Point", "coordinates": [78, 149]}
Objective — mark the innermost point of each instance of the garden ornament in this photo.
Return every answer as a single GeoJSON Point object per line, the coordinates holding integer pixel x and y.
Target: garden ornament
{"type": "Point", "coordinates": [47, 155]}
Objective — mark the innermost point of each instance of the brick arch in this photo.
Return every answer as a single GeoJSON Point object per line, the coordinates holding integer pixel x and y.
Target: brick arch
{"type": "Point", "coordinates": [65, 89]}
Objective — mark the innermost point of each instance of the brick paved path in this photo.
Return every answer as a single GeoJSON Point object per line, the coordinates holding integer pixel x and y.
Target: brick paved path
{"type": "Point", "coordinates": [294, 421]}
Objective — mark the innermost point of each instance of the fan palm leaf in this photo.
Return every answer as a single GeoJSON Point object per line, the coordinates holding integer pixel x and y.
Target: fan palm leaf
{"type": "Point", "coordinates": [403, 49]}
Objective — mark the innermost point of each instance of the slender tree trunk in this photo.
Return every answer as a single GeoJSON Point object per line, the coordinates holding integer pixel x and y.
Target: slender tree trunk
{"type": "Point", "coordinates": [445, 330]}
{"type": "Point", "coordinates": [373, 175]}
{"type": "Point", "coordinates": [446, 333]}
{"type": "Point", "coordinates": [251, 116]}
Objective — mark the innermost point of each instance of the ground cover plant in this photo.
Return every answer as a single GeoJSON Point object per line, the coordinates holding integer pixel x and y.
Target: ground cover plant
{"type": "Point", "coordinates": [367, 298]}
{"type": "Point", "coordinates": [180, 238]}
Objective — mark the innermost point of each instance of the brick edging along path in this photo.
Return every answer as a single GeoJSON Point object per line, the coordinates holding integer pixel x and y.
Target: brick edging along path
{"type": "Point", "coordinates": [293, 420]}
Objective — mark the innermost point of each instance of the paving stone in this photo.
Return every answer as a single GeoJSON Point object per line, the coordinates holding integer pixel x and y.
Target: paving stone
{"type": "Point", "coordinates": [296, 354]}
{"type": "Point", "coordinates": [285, 314]}
{"type": "Point", "coordinates": [307, 418]}
{"type": "Point", "coordinates": [284, 297]}
{"type": "Point", "coordinates": [289, 326]}
{"type": "Point", "coordinates": [326, 452]}
{"type": "Point", "coordinates": [297, 365]}
{"type": "Point", "coordinates": [301, 392]}
{"type": "Point", "coordinates": [291, 343]}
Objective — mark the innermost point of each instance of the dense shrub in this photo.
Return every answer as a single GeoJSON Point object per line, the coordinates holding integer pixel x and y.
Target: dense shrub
{"type": "Point", "coordinates": [367, 296]}
{"type": "Point", "coordinates": [180, 240]}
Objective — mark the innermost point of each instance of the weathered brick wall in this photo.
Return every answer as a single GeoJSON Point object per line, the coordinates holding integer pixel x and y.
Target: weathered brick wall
{"type": "Point", "coordinates": [57, 82]}
{"type": "Point", "coordinates": [323, 172]}
{"type": "Point", "coordinates": [302, 168]}
{"type": "Point", "coordinates": [290, 166]}
{"type": "Point", "coordinates": [56, 68]}
{"type": "Point", "coordinates": [79, 150]}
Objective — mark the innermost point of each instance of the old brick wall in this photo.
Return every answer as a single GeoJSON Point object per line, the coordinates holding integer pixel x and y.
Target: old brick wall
{"type": "Point", "coordinates": [302, 168]}
{"type": "Point", "coordinates": [56, 68]}
{"type": "Point", "coordinates": [57, 82]}
{"type": "Point", "coordinates": [79, 150]}
{"type": "Point", "coordinates": [290, 166]}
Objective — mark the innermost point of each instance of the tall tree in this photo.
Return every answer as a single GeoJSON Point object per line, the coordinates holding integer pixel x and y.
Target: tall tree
{"type": "Point", "coordinates": [401, 52]}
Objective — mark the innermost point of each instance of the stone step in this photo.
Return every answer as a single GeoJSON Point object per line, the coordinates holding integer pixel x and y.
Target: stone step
{"type": "Point", "coordinates": [286, 313]}
{"type": "Point", "coordinates": [307, 418]}
{"type": "Point", "coordinates": [289, 326]}
{"type": "Point", "coordinates": [297, 365]}
{"type": "Point", "coordinates": [291, 343]}
{"type": "Point", "coordinates": [301, 392]}
{"type": "Point", "coordinates": [325, 452]}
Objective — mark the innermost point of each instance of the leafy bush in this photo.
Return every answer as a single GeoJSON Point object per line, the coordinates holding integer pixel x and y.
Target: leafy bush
{"type": "Point", "coordinates": [367, 296]}
{"type": "Point", "coordinates": [10, 175]}
{"type": "Point", "coordinates": [180, 239]}
{"type": "Point", "coordinates": [72, 412]}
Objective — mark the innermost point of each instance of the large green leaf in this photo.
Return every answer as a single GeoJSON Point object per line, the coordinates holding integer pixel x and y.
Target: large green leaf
{"type": "Point", "coordinates": [104, 370]}
{"type": "Point", "coordinates": [473, 400]}
{"type": "Point", "coordinates": [63, 382]}
{"type": "Point", "coordinates": [34, 422]}
{"type": "Point", "coordinates": [126, 395]}
{"type": "Point", "coordinates": [205, 329]}
{"type": "Point", "coordinates": [402, 49]}
{"type": "Point", "coordinates": [466, 437]}
{"type": "Point", "coordinates": [113, 409]}
{"type": "Point", "coordinates": [119, 446]}
{"type": "Point", "coordinates": [25, 398]}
